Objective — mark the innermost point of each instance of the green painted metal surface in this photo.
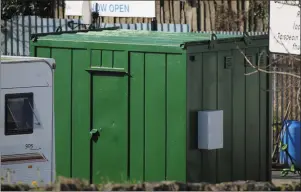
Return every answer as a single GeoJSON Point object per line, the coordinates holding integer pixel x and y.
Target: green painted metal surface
{"type": "Point", "coordinates": [136, 37]}
{"type": "Point", "coordinates": [213, 85]}
{"type": "Point", "coordinates": [80, 114]}
{"type": "Point", "coordinates": [110, 114]}
{"type": "Point", "coordinates": [139, 93]}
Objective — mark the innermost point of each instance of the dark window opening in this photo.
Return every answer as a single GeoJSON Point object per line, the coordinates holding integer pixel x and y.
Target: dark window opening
{"type": "Point", "coordinates": [19, 115]}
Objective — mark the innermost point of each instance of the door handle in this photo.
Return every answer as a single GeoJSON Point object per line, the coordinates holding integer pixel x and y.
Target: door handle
{"type": "Point", "coordinates": [94, 134]}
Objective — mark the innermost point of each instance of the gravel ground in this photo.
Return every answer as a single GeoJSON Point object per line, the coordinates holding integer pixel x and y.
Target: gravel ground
{"type": "Point", "coordinates": [278, 180]}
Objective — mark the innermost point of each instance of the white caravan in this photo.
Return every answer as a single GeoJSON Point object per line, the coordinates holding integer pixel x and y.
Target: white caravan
{"type": "Point", "coordinates": [26, 120]}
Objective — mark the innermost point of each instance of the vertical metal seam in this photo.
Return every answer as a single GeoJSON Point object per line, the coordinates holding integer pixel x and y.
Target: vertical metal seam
{"type": "Point", "coordinates": [101, 54]}
{"type": "Point", "coordinates": [144, 88]}
{"type": "Point", "coordinates": [245, 122]}
{"type": "Point", "coordinates": [269, 123]}
{"type": "Point", "coordinates": [128, 114]}
{"type": "Point", "coordinates": [217, 106]}
{"type": "Point", "coordinates": [166, 143]}
{"type": "Point", "coordinates": [91, 125]}
{"type": "Point", "coordinates": [202, 106]}
{"type": "Point", "coordinates": [259, 106]}
{"type": "Point", "coordinates": [232, 116]}
{"type": "Point", "coordinates": [91, 121]}
{"type": "Point", "coordinates": [53, 124]}
{"type": "Point", "coordinates": [114, 60]}
{"type": "Point", "coordinates": [187, 107]}
{"type": "Point", "coordinates": [71, 112]}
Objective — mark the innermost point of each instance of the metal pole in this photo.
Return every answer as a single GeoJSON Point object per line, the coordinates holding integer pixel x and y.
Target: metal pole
{"type": "Point", "coordinates": [299, 73]}
{"type": "Point", "coordinates": [154, 24]}
{"type": "Point", "coordinates": [87, 13]}
{"type": "Point", "coordinates": [0, 70]}
{"type": "Point", "coordinates": [0, 51]}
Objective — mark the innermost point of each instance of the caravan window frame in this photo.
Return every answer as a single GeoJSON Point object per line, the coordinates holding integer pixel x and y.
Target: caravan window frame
{"type": "Point", "coordinates": [10, 128]}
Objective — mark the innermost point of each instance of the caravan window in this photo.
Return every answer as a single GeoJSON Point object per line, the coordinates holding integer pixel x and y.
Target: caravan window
{"type": "Point", "coordinates": [19, 113]}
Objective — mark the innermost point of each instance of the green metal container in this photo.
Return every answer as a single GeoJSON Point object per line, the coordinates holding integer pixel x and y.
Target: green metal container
{"type": "Point", "coordinates": [126, 105]}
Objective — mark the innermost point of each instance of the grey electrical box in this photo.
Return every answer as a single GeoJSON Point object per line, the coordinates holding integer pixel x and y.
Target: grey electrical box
{"type": "Point", "coordinates": [210, 129]}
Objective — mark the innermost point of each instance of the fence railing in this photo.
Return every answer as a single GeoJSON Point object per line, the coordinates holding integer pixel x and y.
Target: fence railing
{"type": "Point", "coordinates": [16, 32]}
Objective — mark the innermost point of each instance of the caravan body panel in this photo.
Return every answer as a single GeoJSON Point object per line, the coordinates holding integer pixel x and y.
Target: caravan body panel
{"type": "Point", "coordinates": [26, 125]}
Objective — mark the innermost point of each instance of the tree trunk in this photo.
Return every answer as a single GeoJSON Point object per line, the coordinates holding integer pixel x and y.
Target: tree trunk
{"type": "Point", "coordinates": [251, 15]}
{"type": "Point", "coordinates": [183, 13]}
{"type": "Point", "coordinates": [188, 11]}
{"type": "Point", "coordinates": [171, 12]}
{"type": "Point", "coordinates": [158, 11]}
{"type": "Point", "coordinates": [162, 12]}
{"type": "Point", "coordinates": [246, 15]}
{"type": "Point", "coordinates": [234, 13]}
{"type": "Point", "coordinates": [207, 16]}
{"type": "Point", "coordinates": [212, 15]}
{"type": "Point", "coordinates": [240, 23]}
{"type": "Point", "coordinates": [259, 19]}
{"type": "Point", "coordinates": [177, 11]}
{"type": "Point", "coordinates": [166, 11]}
{"type": "Point", "coordinates": [122, 20]}
{"type": "Point", "coordinates": [202, 15]}
{"type": "Point", "coordinates": [194, 20]}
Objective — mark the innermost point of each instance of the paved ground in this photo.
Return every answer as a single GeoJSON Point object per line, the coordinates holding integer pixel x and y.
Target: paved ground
{"type": "Point", "coordinates": [277, 179]}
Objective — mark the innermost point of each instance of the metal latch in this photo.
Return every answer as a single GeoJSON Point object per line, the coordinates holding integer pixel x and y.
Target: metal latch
{"type": "Point", "coordinates": [212, 42]}
{"type": "Point", "coordinates": [247, 39]}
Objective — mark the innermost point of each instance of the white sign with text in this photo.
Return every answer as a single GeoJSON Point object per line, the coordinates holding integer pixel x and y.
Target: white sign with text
{"type": "Point", "coordinates": [114, 8]}
{"type": "Point", "coordinates": [284, 31]}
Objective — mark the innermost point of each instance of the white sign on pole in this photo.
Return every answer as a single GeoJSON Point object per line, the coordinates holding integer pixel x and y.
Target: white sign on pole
{"type": "Point", "coordinates": [114, 8]}
{"type": "Point", "coordinates": [73, 8]}
{"type": "Point", "coordinates": [284, 32]}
